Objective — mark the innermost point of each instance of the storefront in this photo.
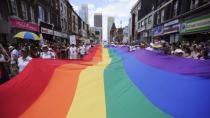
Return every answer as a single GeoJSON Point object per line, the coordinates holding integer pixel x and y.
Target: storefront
{"type": "Point", "coordinates": [171, 31]}
{"type": "Point", "coordinates": [47, 31]}
{"type": "Point", "coordinates": [196, 29]}
{"type": "Point", "coordinates": [61, 37]}
{"type": "Point", "coordinates": [20, 25]}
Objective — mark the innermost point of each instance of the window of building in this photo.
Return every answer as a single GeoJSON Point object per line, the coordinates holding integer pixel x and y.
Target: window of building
{"type": "Point", "coordinates": [176, 8]}
{"type": "Point", "coordinates": [41, 14]}
{"type": "Point", "coordinates": [24, 10]}
{"type": "Point", "coordinates": [196, 3]}
{"type": "Point", "coordinates": [139, 25]}
{"type": "Point", "coordinates": [142, 23]}
{"type": "Point", "coordinates": [162, 15]}
{"type": "Point", "coordinates": [56, 5]}
{"type": "Point", "coordinates": [14, 7]}
{"type": "Point", "coordinates": [145, 21]}
{"type": "Point", "coordinates": [150, 20]}
{"type": "Point", "coordinates": [192, 4]}
{"type": "Point", "coordinates": [158, 17]}
{"type": "Point", "coordinates": [48, 17]}
{"type": "Point", "coordinates": [32, 14]}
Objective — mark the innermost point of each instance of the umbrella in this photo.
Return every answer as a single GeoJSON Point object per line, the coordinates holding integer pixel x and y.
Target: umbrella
{"type": "Point", "coordinates": [27, 35]}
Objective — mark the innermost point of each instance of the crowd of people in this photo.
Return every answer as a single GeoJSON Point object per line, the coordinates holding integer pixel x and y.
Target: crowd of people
{"type": "Point", "coordinates": [194, 50]}
{"type": "Point", "coordinates": [15, 58]}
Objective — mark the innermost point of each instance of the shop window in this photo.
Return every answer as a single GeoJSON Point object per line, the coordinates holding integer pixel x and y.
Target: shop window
{"type": "Point", "coordinates": [24, 10]}
{"type": "Point", "coordinates": [14, 7]}
{"type": "Point", "coordinates": [32, 14]}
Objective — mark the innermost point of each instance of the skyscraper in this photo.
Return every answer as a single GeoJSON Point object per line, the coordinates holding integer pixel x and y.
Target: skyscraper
{"type": "Point", "coordinates": [83, 13]}
{"type": "Point", "coordinates": [98, 20]}
{"type": "Point", "coordinates": [110, 22]}
{"type": "Point", "coordinates": [98, 23]}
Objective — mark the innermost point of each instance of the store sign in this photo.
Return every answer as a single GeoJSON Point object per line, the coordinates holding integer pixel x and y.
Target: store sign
{"type": "Point", "coordinates": [157, 31]}
{"type": "Point", "coordinates": [171, 23]}
{"type": "Point", "coordinates": [23, 25]}
{"type": "Point", "coordinates": [196, 24]}
{"type": "Point", "coordinates": [171, 27]}
{"type": "Point", "coordinates": [46, 31]}
{"type": "Point", "coordinates": [60, 34]}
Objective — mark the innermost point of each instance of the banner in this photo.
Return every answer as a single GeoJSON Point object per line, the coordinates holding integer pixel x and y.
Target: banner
{"type": "Point", "coordinates": [72, 39]}
{"type": "Point", "coordinates": [24, 25]}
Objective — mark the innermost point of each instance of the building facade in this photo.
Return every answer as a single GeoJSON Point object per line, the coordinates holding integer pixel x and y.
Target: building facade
{"type": "Point", "coordinates": [53, 19]}
{"type": "Point", "coordinates": [110, 22]}
{"type": "Point", "coordinates": [171, 20]}
{"type": "Point", "coordinates": [177, 20]}
{"type": "Point", "coordinates": [134, 21]}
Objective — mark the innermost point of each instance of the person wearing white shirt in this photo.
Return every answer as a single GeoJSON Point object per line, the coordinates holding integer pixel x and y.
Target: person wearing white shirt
{"type": "Point", "coordinates": [73, 52]}
{"type": "Point", "coordinates": [82, 51]}
{"type": "Point", "coordinates": [14, 54]}
{"type": "Point", "coordinates": [46, 54]}
{"type": "Point", "coordinates": [23, 60]}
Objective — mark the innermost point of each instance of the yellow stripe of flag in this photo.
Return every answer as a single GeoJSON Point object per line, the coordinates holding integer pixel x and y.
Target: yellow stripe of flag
{"type": "Point", "coordinates": [89, 100]}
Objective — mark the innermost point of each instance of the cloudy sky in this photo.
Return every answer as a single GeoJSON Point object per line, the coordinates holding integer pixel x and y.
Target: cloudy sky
{"type": "Point", "coordinates": [120, 9]}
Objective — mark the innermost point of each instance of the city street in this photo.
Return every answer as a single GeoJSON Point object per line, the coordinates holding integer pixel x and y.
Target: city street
{"type": "Point", "coordinates": [105, 59]}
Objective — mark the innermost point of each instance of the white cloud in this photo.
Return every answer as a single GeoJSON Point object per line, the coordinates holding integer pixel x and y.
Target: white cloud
{"type": "Point", "coordinates": [75, 7]}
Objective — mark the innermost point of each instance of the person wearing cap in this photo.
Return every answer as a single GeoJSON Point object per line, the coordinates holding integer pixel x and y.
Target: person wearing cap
{"type": "Point", "coordinates": [24, 59]}
{"type": "Point", "coordinates": [14, 55]}
{"type": "Point", "coordinates": [46, 54]}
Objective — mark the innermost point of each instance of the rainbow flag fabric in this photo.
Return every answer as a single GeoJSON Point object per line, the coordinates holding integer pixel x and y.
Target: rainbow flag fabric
{"type": "Point", "coordinates": [109, 83]}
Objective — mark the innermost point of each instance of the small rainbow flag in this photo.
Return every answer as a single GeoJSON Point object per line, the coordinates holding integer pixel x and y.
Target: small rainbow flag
{"type": "Point", "coordinates": [109, 83]}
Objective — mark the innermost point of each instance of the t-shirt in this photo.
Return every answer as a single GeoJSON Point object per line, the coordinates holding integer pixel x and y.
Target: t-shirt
{"type": "Point", "coordinates": [22, 63]}
{"type": "Point", "coordinates": [82, 50]}
{"type": "Point", "coordinates": [14, 56]}
{"type": "Point", "coordinates": [73, 50]}
{"type": "Point", "coordinates": [46, 55]}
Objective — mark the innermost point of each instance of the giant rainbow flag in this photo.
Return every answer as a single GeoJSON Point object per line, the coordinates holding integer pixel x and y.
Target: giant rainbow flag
{"type": "Point", "coordinates": [109, 83]}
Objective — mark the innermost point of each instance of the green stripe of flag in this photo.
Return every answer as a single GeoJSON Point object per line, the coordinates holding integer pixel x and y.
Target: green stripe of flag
{"type": "Point", "coordinates": [123, 98]}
